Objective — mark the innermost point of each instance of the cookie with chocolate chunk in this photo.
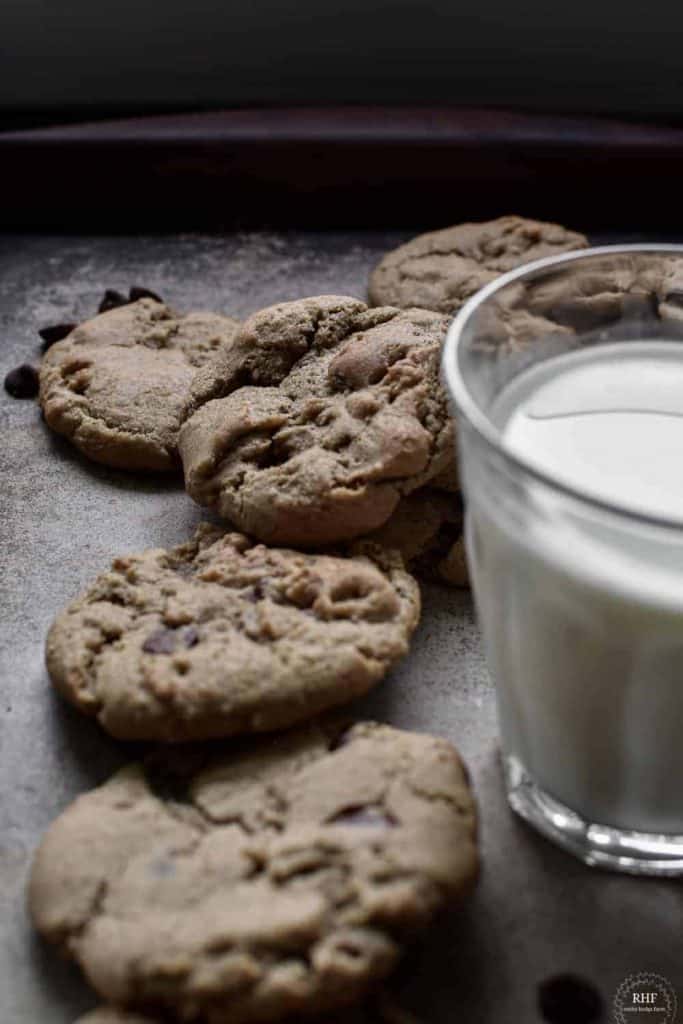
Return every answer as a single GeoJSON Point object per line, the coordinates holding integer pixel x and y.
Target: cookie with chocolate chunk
{"type": "Point", "coordinates": [317, 420]}
{"type": "Point", "coordinates": [223, 635]}
{"type": "Point", "coordinates": [118, 385]}
{"type": "Point", "coordinates": [442, 269]}
{"type": "Point", "coordinates": [273, 880]}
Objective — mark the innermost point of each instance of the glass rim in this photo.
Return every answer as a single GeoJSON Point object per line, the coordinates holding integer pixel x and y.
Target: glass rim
{"type": "Point", "coordinates": [477, 420]}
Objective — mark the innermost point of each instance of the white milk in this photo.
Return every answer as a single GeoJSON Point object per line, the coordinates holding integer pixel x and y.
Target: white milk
{"type": "Point", "coordinates": [583, 612]}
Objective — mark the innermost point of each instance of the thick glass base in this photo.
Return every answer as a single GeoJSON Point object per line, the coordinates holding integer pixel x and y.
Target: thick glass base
{"type": "Point", "coordinates": [636, 853]}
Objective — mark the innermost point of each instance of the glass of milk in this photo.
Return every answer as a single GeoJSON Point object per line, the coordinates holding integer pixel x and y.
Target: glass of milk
{"type": "Point", "coordinates": [567, 379]}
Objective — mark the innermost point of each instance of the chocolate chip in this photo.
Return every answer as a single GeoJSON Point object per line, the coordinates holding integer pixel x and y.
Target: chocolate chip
{"type": "Point", "coordinates": [112, 300]}
{"type": "Point", "coordinates": [22, 382]}
{"type": "Point", "coordinates": [367, 816]}
{"type": "Point", "coordinates": [342, 739]}
{"type": "Point", "coordinates": [674, 298]}
{"type": "Point", "coordinates": [166, 784]}
{"type": "Point", "coordinates": [253, 593]}
{"type": "Point", "coordinates": [167, 641]}
{"type": "Point", "coordinates": [568, 999]}
{"type": "Point", "coordinates": [161, 641]}
{"type": "Point", "coordinates": [190, 636]}
{"type": "Point", "coordinates": [52, 334]}
{"type": "Point", "coordinates": [137, 292]}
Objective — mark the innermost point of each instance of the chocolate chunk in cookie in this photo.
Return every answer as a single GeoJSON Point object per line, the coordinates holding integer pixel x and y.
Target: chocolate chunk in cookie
{"type": "Point", "coordinates": [112, 299]}
{"type": "Point", "coordinates": [55, 333]}
{"type": "Point", "coordinates": [118, 385]}
{"type": "Point", "coordinates": [442, 269]}
{"type": "Point", "coordinates": [332, 413]}
{"type": "Point", "coordinates": [223, 635]}
{"type": "Point", "coordinates": [268, 894]}
{"type": "Point", "coordinates": [138, 292]}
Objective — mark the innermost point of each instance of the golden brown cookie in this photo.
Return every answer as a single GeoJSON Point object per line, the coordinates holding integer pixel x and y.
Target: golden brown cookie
{"type": "Point", "coordinates": [277, 878]}
{"type": "Point", "coordinates": [118, 385]}
{"type": "Point", "coordinates": [442, 269]}
{"type": "Point", "coordinates": [331, 413]}
{"type": "Point", "coordinates": [223, 635]}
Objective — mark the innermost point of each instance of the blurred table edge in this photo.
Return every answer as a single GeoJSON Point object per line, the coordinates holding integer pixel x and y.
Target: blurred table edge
{"type": "Point", "coordinates": [341, 167]}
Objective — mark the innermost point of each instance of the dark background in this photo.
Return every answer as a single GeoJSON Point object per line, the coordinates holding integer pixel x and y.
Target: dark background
{"type": "Point", "coordinates": [216, 115]}
{"type": "Point", "coordinates": [63, 59]}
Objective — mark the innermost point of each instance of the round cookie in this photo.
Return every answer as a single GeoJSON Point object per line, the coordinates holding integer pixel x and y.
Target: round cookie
{"type": "Point", "coordinates": [376, 1010]}
{"type": "Point", "coordinates": [273, 879]}
{"type": "Point", "coordinates": [442, 269]}
{"type": "Point", "coordinates": [223, 635]}
{"type": "Point", "coordinates": [332, 413]}
{"type": "Point", "coordinates": [379, 1008]}
{"type": "Point", "coordinates": [427, 529]}
{"type": "Point", "coordinates": [119, 384]}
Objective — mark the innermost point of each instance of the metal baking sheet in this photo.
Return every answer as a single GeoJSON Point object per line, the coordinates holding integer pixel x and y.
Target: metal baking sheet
{"type": "Point", "coordinates": [536, 912]}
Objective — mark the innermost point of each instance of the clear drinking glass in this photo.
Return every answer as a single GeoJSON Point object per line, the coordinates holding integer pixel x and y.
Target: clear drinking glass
{"type": "Point", "coordinates": [579, 592]}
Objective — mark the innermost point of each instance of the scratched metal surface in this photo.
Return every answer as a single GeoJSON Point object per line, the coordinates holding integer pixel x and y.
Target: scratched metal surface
{"type": "Point", "coordinates": [536, 912]}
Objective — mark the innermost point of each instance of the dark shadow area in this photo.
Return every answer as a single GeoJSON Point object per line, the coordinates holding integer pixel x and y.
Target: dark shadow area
{"type": "Point", "coordinates": [84, 749]}
{"type": "Point", "coordinates": [60, 978]}
{"type": "Point", "coordinates": [145, 482]}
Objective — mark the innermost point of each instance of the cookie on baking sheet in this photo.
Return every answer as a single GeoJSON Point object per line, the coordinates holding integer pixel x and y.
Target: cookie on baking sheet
{"type": "Point", "coordinates": [118, 385]}
{"type": "Point", "coordinates": [223, 635]}
{"type": "Point", "coordinates": [427, 528]}
{"type": "Point", "coordinates": [275, 878]}
{"type": "Point", "coordinates": [442, 269]}
{"type": "Point", "coordinates": [379, 1008]}
{"type": "Point", "coordinates": [332, 413]}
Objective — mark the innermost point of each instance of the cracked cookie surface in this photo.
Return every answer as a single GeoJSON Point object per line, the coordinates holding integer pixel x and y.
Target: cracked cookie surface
{"type": "Point", "coordinates": [117, 387]}
{"type": "Point", "coordinates": [224, 635]}
{"type": "Point", "coordinates": [331, 412]}
{"type": "Point", "coordinates": [280, 878]}
{"type": "Point", "coordinates": [440, 270]}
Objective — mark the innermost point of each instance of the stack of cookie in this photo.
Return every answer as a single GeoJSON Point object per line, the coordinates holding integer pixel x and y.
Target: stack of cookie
{"type": "Point", "coordinates": [275, 875]}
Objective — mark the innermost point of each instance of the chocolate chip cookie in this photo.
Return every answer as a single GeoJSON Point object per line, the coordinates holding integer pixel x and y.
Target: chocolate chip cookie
{"type": "Point", "coordinates": [223, 635]}
{"type": "Point", "coordinates": [117, 386]}
{"type": "Point", "coordinates": [442, 269]}
{"type": "Point", "coordinates": [332, 413]}
{"type": "Point", "coordinates": [272, 879]}
{"type": "Point", "coordinates": [427, 528]}
{"type": "Point", "coordinates": [379, 1008]}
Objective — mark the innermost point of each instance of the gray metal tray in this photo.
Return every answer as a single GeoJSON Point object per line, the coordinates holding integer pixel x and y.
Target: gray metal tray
{"type": "Point", "coordinates": [536, 911]}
